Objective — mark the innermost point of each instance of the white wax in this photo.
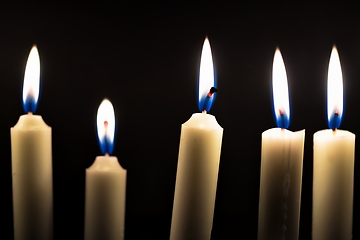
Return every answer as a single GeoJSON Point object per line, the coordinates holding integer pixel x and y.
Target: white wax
{"type": "Point", "coordinates": [105, 200]}
{"type": "Point", "coordinates": [280, 184]}
{"type": "Point", "coordinates": [31, 160]}
{"type": "Point", "coordinates": [333, 185]}
{"type": "Point", "coordinates": [196, 180]}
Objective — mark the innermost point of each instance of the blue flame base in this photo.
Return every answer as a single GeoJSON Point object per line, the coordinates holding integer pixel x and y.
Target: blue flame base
{"type": "Point", "coordinates": [206, 103]}
{"type": "Point", "coordinates": [29, 105]}
{"type": "Point", "coordinates": [334, 121]}
{"type": "Point", "coordinates": [106, 146]}
{"type": "Point", "coordinates": [283, 121]}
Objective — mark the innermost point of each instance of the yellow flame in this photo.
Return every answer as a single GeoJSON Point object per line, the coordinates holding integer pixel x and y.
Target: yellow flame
{"type": "Point", "coordinates": [335, 85]}
{"type": "Point", "coordinates": [280, 86]}
{"type": "Point", "coordinates": [106, 114]}
{"type": "Point", "coordinates": [32, 75]}
{"type": "Point", "coordinates": [206, 75]}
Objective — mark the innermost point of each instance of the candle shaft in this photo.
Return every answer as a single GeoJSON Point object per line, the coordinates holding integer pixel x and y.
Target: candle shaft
{"type": "Point", "coordinates": [280, 184]}
{"type": "Point", "coordinates": [196, 180]}
{"type": "Point", "coordinates": [333, 185]}
{"type": "Point", "coordinates": [105, 200]}
{"type": "Point", "coordinates": [31, 160]}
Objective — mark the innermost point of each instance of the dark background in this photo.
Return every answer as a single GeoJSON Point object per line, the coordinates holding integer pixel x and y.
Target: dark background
{"type": "Point", "coordinates": [145, 58]}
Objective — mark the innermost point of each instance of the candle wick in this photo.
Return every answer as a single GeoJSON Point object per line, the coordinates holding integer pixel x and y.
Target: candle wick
{"type": "Point", "coordinates": [335, 121]}
{"type": "Point", "coordinates": [106, 154]}
{"type": "Point", "coordinates": [207, 99]}
{"type": "Point", "coordinates": [30, 113]}
{"type": "Point", "coordinates": [212, 91]}
{"type": "Point", "coordinates": [204, 112]}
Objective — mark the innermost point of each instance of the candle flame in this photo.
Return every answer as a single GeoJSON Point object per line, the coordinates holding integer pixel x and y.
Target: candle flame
{"type": "Point", "coordinates": [334, 90]}
{"type": "Point", "coordinates": [31, 81]}
{"type": "Point", "coordinates": [280, 91]}
{"type": "Point", "coordinates": [206, 78]}
{"type": "Point", "coordinates": [106, 126]}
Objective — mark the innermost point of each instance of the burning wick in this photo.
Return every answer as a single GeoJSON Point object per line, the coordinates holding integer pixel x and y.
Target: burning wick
{"type": "Point", "coordinates": [337, 115]}
{"type": "Point", "coordinates": [211, 92]}
{"type": "Point", "coordinates": [208, 96]}
{"type": "Point", "coordinates": [281, 112]}
{"type": "Point", "coordinates": [106, 124]}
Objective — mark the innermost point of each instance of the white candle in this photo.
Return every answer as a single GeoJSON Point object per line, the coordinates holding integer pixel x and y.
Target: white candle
{"type": "Point", "coordinates": [198, 164]}
{"type": "Point", "coordinates": [105, 185]}
{"type": "Point", "coordinates": [281, 167]}
{"type": "Point", "coordinates": [31, 160]}
{"type": "Point", "coordinates": [333, 181]}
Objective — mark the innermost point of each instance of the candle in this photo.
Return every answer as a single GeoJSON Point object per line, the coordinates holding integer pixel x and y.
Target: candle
{"type": "Point", "coordinates": [281, 167]}
{"type": "Point", "coordinates": [333, 181]}
{"type": "Point", "coordinates": [31, 163]}
{"type": "Point", "coordinates": [198, 163]}
{"type": "Point", "coordinates": [105, 184]}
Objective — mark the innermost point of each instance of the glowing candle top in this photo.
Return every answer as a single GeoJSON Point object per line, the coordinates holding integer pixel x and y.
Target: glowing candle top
{"type": "Point", "coordinates": [206, 79]}
{"type": "Point", "coordinates": [31, 81]}
{"type": "Point", "coordinates": [334, 91]}
{"type": "Point", "coordinates": [106, 126]}
{"type": "Point", "coordinates": [280, 92]}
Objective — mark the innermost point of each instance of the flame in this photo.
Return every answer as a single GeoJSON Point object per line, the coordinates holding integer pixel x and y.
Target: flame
{"type": "Point", "coordinates": [206, 78]}
{"type": "Point", "coordinates": [106, 126]}
{"type": "Point", "coordinates": [280, 91]}
{"type": "Point", "coordinates": [31, 81]}
{"type": "Point", "coordinates": [334, 90]}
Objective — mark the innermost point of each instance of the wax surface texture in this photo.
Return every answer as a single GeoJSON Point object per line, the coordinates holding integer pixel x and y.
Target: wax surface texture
{"type": "Point", "coordinates": [31, 162]}
{"type": "Point", "coordinates": [333, 185]}
{"type": "Point", "coordinates": [280, 184]}
{"type": "Point", "coordinates": [105, 200]}
{"type": "Point", "coordinates": [196, 179]}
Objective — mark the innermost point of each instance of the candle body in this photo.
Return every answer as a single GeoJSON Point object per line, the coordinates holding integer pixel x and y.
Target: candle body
{"type": "Point", "coordinates": [333, 185]}
{"type": "Point", "coordinates": [105, 200]}
{"type": "Point", "coordinates": [196, 179]}
{"type": "Point", "coordinates": [280, 184]}
{"type": "Point", "coordinates": [31, 160]}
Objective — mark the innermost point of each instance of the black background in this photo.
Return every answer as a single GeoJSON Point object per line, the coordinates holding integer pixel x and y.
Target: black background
{"type": "Point", "coordinates": [145, 58]}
